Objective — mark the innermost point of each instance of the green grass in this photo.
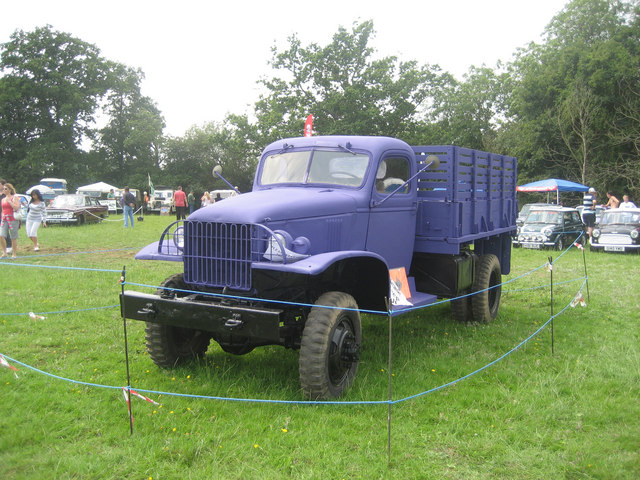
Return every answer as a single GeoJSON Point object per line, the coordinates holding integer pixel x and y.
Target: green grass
{"type": "Point", "coordinates": [534, 415]}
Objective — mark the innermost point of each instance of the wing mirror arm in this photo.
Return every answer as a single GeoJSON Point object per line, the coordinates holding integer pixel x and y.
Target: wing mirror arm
{"type": "Point", "coordinates": [433, 162]}
{"type": "Point", "coordinates": [217, 172]}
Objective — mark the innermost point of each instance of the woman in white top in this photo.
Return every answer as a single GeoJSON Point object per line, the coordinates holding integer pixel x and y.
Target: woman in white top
{"type": "Point", "coordinates": [37, 215]}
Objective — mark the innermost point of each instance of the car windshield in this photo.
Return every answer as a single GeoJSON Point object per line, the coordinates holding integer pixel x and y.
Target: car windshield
{"type": "Point", "coordinates": [620, 217]}
{"type": "Point", "coordinates": [63, 201]}
{"type": "Point", "coordinates": [315, 167]}
{"type": "Point", "coordinates": [544, 216]}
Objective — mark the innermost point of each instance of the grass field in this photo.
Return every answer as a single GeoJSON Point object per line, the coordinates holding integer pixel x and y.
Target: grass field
{"type": "Point", "coordinates": [570, 414]}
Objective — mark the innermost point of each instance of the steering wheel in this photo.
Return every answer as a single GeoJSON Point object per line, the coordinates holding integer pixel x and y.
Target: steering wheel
{"type": "Point", "coordinates": [337, 173]}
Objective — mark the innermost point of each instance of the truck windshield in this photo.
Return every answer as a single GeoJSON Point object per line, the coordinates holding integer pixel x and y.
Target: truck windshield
{"type": "Point", "coordinates": [315, 166]}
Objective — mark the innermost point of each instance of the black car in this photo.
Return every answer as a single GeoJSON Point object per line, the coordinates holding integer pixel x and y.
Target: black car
{"type": "Point", "coordinates": [550, 227]}
{"type": "Point", "coordinates": [526, 208]}
{"type": "Point", "coordinates": [617, 231]}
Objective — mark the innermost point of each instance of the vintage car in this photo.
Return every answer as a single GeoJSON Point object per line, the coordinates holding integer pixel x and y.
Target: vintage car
{"type": "Point", "coordinates": [75, 209]}
{"type": "Point", "coordinates": [526, 208]}
{"type": "Point", "coordinates": [617, 231]}
{"type": "Point", "coordinates": [550, 227]}
{"type": "Point", "coordinates": [599, 210]}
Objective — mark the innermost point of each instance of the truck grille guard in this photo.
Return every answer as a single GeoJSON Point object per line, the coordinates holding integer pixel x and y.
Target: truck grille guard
{"type": "Point", "coordinates": [220, 254]}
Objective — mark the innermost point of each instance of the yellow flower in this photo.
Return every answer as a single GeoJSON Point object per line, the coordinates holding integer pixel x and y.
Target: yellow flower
{"type": "Point", "coordinates": [174, 429]}
{"type": "Point", "coordinates": [255, 445]}
{"type": "Point", "coordinates": [284, 430]}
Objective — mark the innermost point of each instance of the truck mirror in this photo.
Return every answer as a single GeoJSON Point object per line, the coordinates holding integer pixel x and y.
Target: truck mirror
{"type": "Point", "coordinates": [434, 160]}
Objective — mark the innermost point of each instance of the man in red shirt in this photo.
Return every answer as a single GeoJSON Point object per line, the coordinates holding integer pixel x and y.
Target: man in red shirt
{"type": "Point", "coordinates": [180, 201]}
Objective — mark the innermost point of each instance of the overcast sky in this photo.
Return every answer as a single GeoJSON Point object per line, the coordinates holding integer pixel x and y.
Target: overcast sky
{"type": "Point", "coordinates": [202, 59]}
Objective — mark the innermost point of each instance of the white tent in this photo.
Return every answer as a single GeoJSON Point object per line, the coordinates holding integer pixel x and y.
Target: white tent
{"type": "Point", "coordinates": [46, 192]}
{"type": "Point", "coordinates": [95, 189]}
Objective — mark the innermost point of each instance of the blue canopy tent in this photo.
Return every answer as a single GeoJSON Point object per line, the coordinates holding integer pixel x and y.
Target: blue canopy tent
{"type": "Point", "coordinates": [552, 185]}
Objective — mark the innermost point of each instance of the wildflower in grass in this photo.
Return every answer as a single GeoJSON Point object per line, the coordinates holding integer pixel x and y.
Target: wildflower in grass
{"type": "Point", "coordinates": [188, 376]}
{"type": "Point", "coordinates": [284, 430]}
{"type": "Point", "coordinates": [174, 429]}
{"type": "Point", "coordinates": [255, 445]}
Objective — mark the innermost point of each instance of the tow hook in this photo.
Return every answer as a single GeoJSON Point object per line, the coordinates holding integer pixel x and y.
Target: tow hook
{"type": "Point", "coordinates": [234, 322]}
{"type": "Point", "coordinates": [147, 310]}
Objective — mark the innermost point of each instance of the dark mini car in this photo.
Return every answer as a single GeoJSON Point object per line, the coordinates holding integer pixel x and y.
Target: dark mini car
{"type": "Point", "coordinates": [617, 231]}
{"type": "Point", "coordinates": [526, 208]}
{"type": "Point", "coordinates": [75, 209]}
{"type": "Point", "coordinates": [550, 227]}
{"type": "Point", "coordinates": [599, 210]}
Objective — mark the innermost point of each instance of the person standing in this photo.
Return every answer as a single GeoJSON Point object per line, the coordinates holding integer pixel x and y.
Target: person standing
{"type": "Point", "coordinates": [8, 224]}
{"type": "Point", "coordinates": [626, 203]}
{"type": "Point", "coordinates": [2, 183]}
{"type": "Point", "coordinates": [613, 201]}
{"type": "Point", "coordinates": [589, 210]}
{"type": "Point", "coordinates": [181, 203]}
{"type": "Point", "coordinates": [191, 199]}
{"type": "Point", "coordinates": [37, 215]}
{"type": "Point", "coordinates": [128, 206]}
{"type": "Point", "coordinates": [205, 200]}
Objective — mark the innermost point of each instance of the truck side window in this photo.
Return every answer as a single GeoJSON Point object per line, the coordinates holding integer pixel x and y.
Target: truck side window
{"type": "Point", "coordinates": [392, 172]}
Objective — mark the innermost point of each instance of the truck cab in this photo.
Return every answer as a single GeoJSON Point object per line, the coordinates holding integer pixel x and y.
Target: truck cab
{"type": "Point", "coordinates": [294, 261]}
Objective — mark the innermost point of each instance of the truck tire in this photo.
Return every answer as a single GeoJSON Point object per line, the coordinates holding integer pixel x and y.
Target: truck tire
{"type": "Point", "coordinates": [560, 243]}
{"type": "Point", "coordinates": [169, 346]}
{"type": "Point", "coordinates": [486, 303]}
{"type": "Point", "coordinates": [329, 350]}
{"type": "Point", "coordinates": [461, 310]}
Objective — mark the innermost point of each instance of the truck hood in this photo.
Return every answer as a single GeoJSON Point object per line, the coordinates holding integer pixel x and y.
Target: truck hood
{"type": "Point", "coordinates": [279, 204]}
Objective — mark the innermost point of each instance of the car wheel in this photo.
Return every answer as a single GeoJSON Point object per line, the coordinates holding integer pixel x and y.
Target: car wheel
{"type": "Point", "coordinates": [560, 243]}
{"type": "Point", "coordinates": [487, 283]}
{"type": "Point", "coordinates": [461, 310]}
{"type": "Point", "coordinates": [168, 345]}
{"type": "Point", "coordinates": [330, 346]}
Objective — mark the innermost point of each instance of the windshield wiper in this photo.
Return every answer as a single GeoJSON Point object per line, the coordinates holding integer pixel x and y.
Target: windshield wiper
{"type": "Point", "coordinates": [347, 148]}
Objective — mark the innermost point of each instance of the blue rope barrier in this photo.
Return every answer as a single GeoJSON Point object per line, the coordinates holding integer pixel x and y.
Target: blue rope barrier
{"type": "Point", "coordinates": [310, 402]}
{"type": "Point", "coordinates": [375, 402]}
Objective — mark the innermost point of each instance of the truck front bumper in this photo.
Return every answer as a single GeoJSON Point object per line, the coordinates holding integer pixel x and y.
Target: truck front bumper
{"type": "Point", "coordinates": [256, 323]}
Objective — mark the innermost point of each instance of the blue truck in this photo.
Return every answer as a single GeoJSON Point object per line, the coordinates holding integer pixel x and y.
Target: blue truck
{"type": "Point", "coordinates": [333, 225]}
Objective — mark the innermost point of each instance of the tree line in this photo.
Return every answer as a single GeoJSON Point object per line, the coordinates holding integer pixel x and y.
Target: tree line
{"type": "Point", "coordinates": [567, 107]}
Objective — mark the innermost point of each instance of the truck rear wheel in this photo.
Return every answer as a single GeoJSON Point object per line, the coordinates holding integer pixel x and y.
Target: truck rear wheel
{"type": "Point", "coordinates": [329, 350]}
{"type": "Point", "coordinates": [461, 310]}
{"type": "Point", "coordinates": [168, 345]}
{"type": "Point", "coordinates": [486, 303]}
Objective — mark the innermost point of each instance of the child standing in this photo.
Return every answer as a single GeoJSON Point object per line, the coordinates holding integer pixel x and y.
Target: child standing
{"type": "Point", "coordinates": [37, 215]}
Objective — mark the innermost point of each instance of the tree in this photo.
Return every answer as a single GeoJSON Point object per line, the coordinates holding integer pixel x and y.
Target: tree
{"type": "Point", "coordinates": [48, 95]}
{"type": "Point", "coordinates": [130, 142]}
{"type": "Point", "coordinates": [344, 87]}
{"type": "Point", "coordinates": [568, 91]}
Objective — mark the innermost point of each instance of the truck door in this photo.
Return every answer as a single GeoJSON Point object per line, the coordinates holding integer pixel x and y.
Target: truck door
{"type": "Point", "coordinates": [392, 221]}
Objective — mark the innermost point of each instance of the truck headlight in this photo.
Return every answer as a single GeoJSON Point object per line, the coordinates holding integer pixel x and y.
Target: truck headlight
{"type": "Point", "coordinates": [178, 238]}
{"type": "Point", "coordinates": [282, 248]}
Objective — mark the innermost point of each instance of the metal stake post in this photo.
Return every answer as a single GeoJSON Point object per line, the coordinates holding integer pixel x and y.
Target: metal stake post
{"type": "Point", "coordinates": [386, 300]}
{"type": "Point", "coordinates": [126, 352]}
{"type": "Point", "coordinates": [551, 289]}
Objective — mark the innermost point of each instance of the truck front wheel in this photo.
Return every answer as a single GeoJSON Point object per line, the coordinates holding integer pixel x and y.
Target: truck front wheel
{"type": "Point", "coordinates": [169, 346]}
{"type": "Point", "coordinates": [487, 281]}
{"type": "Point", "coordinates": [330, 346]}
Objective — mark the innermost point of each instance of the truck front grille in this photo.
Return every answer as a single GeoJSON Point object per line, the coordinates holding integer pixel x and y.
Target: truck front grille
{"type": "Point", "coordinates": [219, 254]}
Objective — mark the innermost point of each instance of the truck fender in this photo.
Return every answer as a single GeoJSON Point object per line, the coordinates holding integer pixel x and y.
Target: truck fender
{"type": "Point", "coordinates": [153, 251]}
{"type": "Point", "coordinates": [362, 274]}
